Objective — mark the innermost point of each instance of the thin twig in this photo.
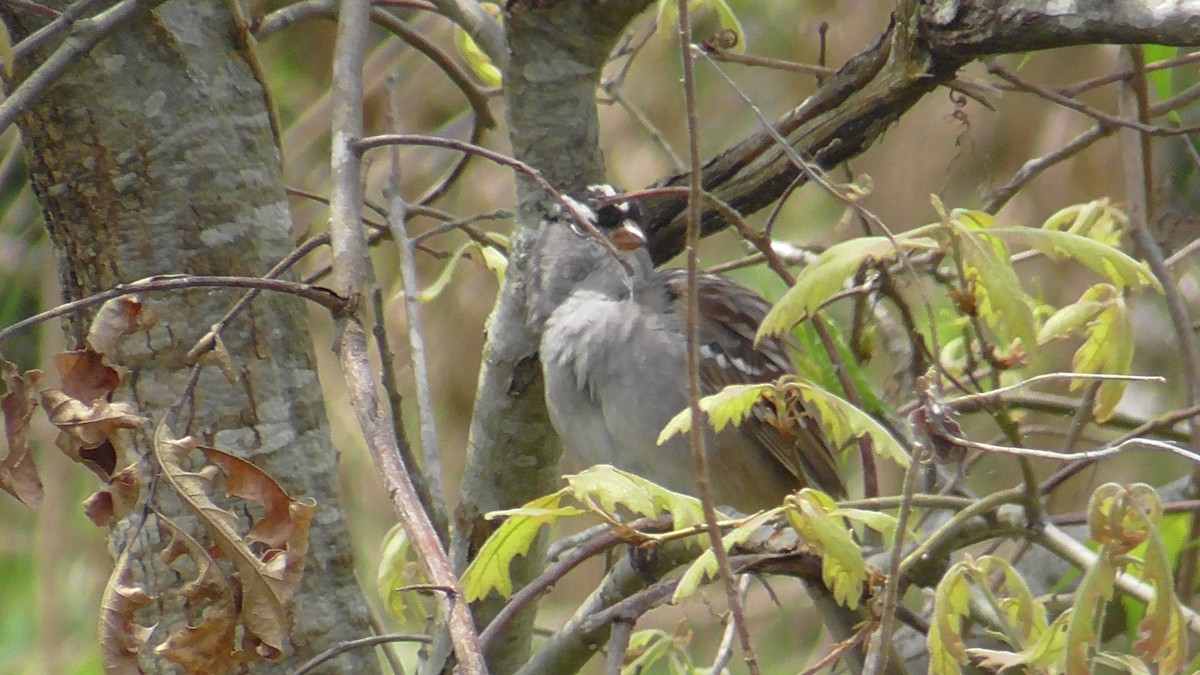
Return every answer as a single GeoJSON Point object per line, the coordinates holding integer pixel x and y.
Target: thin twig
{"type": "Point", "coordinates": [880, 643]}
{"type": "Point", "coordinates": [179, 282]}
{"type": "Point", "coordinates": [430, 450]}
{"type": "Point", "coordinates": [352, 273]}
{"type": "Point", "coordinates": [1168, 420]}
{"type": "Point", "coordinates": [725, 647]}
{"type": "Point", "coordinates": [1098, 115]}
{"type": "Point", "coordinates": [1035, 167]}
{"type": "Point", "coordinates": [50, 31]}
{"type": "Point", "coordinates": [1139, 191]}
{"type": "Point", "coordinates": [545, 581]}
{"type": "Point", "coordinates": [363, 145]}
{"type": "Point", "coordinates": [34, 8]}
{"type": "Point", "coordinates": [695, 434]}
{"type": "Point", "coordinates": [349, 645]}
{"type": "Point", "coordinates": [840, 649]}
{"type": "Point", "coordinates": [774, 64]}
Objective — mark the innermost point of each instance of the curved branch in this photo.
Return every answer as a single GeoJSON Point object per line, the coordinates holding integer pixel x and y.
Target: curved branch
{"type": "Point", "coordinates": [875, 88]}
{"type": "Point", "coordinates": [322, 296]}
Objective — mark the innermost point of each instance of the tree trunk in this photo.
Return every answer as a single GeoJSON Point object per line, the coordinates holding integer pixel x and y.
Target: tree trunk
{"type": "Point", "coordinates": [156, 155]}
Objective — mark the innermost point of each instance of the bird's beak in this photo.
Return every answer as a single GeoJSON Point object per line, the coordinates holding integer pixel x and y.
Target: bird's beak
{"type": "Point", "coordinates": [628, 237]}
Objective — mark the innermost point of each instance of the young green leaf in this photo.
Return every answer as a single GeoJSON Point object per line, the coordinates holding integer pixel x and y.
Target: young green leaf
{"type": "Point", "coordinates": [1026, 615]}
{"type": "Point", "coordinates": [1118, 266]}
{"type": "Point", "coordinates": [492, 258]}
{"type": "Point", "coordinates": [826, 276]}
{"type": "Point", "coordinates": [705, 567]}
{"type": "Point", "coordinates": [1107, 349]}
{"type": "Point", "coordinates": [1163, 636]}
{"type": "Point", "coordinates": [1095, 589]}
{"type": "Point", "coordinates": [610, 489]}
{"type": "Point", "coordinates": [490, 569]}
{"type": "Point", "coordinates": [1043, 656]}
{"type": "Point", "coordinates": [843, 568]}
{"type": "Point", "coordinates": [843, 422]}
{"type": "Point", "coordinates": [398, 568]}
{"type": "Point", "coordinates": [882, 523]}
{"type": "Point", "coordinates": [947, 649]}
{"type": "Point", "coordinates": [1098, 220]}
{"type": "Point", "coordinates": [731, 405]}
{"type": "Point", "coordinates": [477, 61]}
{"type": "Point", "coordinates": [1075, 317]}
{"type": "Point", "coordinates": [726, 21]}
{"type": "Point", "coordinates": [1003, 304]}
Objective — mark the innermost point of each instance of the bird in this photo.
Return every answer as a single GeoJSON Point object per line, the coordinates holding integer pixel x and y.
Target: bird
{"type": "Point", "coordinates": [613, 354]}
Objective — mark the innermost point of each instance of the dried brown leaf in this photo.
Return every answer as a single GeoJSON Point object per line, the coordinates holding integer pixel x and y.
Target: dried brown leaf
{"type": "Point", "coordinates": [108, 506]}
{"type": "Point", "coordinates": [121, 637]}
{"type": "Point", "coordinates": [268, 580]}
{"type": "Point", "coordinates": [85, 376]}
{"type": "Point", "coordinates": [18, 474]}
{"type": "Point", "coordinates": [219, 356]}
{"type": "Point", "coordinates": [87, 428]}
{"type": "Point", "coordinates": [117, 318]}
{"type": "Point", "coordinates": [211, 645]}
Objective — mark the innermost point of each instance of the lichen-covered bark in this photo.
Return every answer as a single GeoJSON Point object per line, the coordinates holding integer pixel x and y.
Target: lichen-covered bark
{"type": "Point", "coordinates": [156, 155]}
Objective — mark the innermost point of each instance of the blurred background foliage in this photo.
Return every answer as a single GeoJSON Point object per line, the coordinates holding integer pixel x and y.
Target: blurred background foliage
{"type": "Point", "coordinates": [53, 563]}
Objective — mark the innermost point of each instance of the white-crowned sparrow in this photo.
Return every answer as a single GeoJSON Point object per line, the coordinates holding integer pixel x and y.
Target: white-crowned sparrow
{"type": "Point", "coordinates": [613, 350]}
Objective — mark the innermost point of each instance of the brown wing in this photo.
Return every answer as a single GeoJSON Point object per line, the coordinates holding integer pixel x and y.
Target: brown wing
{"type": "Point", "coordinates": [730, 315]}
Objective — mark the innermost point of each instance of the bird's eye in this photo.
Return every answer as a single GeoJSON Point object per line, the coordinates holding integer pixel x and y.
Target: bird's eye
{"type": "Point", "coordinates": [610, 217]}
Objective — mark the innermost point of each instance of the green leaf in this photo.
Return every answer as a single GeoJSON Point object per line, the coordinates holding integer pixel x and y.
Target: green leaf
{"type": "Point", "coordinates": [398, 569]}
{"type": "Point", "coordinates": [1025, 614]}
{"type": "Point", "coordinates": [1162, 633]}
{"type": "Point", "coordinates": [490, 569]}
{"type": "Point", "coordinates": [843, 568]}
{"type": "Point", "coordinates": [1127, 663]}
{"type": "Point", "coordinates": [1042, 657]}
{"type": "Point", "coordinates": [477, 61]}
{"type": "Point", "coordinates": [1075, 317]}
{"type": "Point", "coordinates": [883, 523]}
{"type": "Point", "coordinates": [731, 405]}
{"type": "Point", "coordinates": [823, 373]}
{"type": "Point", "coordinates": [651, 646]}
{"type": "Point", "coordinates": [826, 276]}
{"type": "Point", "coordinates": [843, 422]}
{"type": "Point", "coordinates": [705, 566]}
{"type": "Point", "coordinates": [1003, 305]}
{"type": "Point", "coordinates": [951, 602]}
{"type": "Point", "coordinates": [1118, 266]}
{"type": "Point", "coordinates": [609, 488]}
{"type": "Point", "coordinates": [1098, 220]}
{"type": "Point", "coordinates": [1161, 78]}
{"type": "Point", "coordinates": [1107, 349]}
{"type": "Point", "coordinates": [492, 258]}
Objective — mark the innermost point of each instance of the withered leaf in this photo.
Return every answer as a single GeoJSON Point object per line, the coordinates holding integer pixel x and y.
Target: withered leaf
{"type": "Point", "coordinates": [87, 428]}
{"type": "Point", "coordinates": [18, 474]}
{"type": "Point", "coordinates": [85, 376]}
{"type": "Point", "coordinates": [121, 637]}
{"type": "Point", "coordinates": [117, 318]}
{"type": "Point", "coordinates": [108, 506]}
{"type": "Point", "coordinates": [211, 645]}
{"type": "Point", "coordinates": [269, 580]}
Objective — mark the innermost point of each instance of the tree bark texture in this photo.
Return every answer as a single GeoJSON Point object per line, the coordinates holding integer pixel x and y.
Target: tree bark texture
{"type": "Point", "coordinates": [156, 155]}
